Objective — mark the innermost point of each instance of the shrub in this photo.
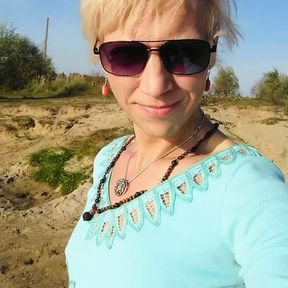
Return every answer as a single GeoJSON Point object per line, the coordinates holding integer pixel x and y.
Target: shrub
{"type": "Point", "coordinates": [272, 87]}
{"type": "Point", "coordinates": [21, 61]}
{"type": "Point", "coordinates": [225, 84]}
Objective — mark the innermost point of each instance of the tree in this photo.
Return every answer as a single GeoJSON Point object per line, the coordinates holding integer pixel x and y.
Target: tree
{"type": "Point", "coordinates": [226, 83]}
{"type": "Point", "coordinates": [272, 87]}
{"type": "Point", "coordinates": [21, 61]}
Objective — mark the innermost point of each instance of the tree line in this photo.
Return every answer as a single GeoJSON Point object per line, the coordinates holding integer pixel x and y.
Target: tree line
{"type": "Point", "coordinates": [272, 87]}
{"type": "Point", "coordinates": [23, 63]}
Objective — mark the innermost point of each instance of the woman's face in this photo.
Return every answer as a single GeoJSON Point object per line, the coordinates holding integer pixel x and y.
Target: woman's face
{"type": "Point", "coordinates": [161, 104]}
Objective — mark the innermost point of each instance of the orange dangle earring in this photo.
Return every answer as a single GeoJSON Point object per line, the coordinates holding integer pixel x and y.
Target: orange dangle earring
{"type": "Point", "coordinates": [105, 88]}
{"type": "Point", "coordinates": [208, 82]}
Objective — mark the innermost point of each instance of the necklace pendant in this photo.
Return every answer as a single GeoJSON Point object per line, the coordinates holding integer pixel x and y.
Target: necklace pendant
{"type": "Point", "coordinates": [121, 187]}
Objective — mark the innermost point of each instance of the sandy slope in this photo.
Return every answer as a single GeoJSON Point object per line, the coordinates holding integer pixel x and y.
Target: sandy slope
{"type": "Point", "coordinates": [32, 240]}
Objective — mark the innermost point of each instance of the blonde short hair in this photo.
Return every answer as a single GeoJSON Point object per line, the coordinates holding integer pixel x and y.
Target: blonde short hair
{"type": "Point", "coordinates": [102, 16]}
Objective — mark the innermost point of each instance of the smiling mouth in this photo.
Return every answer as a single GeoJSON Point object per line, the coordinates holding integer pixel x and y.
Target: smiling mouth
{"type": "Point", "coordinates": [159, 110]}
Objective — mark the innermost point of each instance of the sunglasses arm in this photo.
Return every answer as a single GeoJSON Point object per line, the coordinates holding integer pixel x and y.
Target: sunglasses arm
{"type": "Point", "coordinates": [95, 49]}
{"type": "Point", "coordinates": [213, 48]}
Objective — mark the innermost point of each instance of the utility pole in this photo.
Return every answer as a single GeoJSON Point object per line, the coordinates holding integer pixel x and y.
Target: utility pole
{"type": "Point", "coordinates": [46, 37]}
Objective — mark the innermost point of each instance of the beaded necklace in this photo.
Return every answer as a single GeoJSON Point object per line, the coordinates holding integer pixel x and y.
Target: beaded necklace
{"type": "Point", "coordinates": [87, 216]}
{"type": "Point", "coordinates": [123, 183]}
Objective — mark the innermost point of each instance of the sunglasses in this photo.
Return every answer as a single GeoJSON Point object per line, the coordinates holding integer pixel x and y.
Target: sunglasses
{"type": "Point", "coordinates": [181, 57]}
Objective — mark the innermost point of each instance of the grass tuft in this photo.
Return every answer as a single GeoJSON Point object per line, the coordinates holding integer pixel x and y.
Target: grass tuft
{"type": "Point", "coordinates": [50, 169]}
{"type": "Point", "coordinates": [50, 164]}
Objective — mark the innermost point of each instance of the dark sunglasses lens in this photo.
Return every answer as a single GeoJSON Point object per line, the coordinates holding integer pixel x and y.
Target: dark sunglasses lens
{"type": "Point", "coordinates": [186, 57]}
{"type": "Point", "coordinates": [123, 58]}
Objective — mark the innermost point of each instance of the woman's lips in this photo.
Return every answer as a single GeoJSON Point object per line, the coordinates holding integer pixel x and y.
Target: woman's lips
{"type": "Point", "coordinates": [159, 110]}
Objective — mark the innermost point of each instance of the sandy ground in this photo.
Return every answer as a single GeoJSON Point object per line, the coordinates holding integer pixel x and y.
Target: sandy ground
{"type": "Point", "coordinates": [36, 221]}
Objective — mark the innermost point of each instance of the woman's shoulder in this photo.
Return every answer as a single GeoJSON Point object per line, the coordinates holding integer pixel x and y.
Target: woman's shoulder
{"type": "Point", "coordinates": [243, 156]}
{"type": "Point", "coordinates": [254, 214]}
{"type": "Point", "coordinates": [253, 179]}
{"type": "Point", "coordinates": [240, 166]}
{"type": "Point", "coordinates": [254, 164]}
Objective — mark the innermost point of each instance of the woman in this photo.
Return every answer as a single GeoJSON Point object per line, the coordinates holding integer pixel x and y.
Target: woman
{"type": "Point", "coordinates": [178, 204]}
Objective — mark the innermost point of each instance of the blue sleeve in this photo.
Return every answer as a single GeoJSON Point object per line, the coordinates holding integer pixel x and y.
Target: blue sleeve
{"type": "Point", "coordinates": [255, 223]}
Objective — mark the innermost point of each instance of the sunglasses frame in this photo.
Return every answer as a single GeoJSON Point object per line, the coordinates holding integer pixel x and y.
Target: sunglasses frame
{"type": "Point", "coordinates": [213, 49]}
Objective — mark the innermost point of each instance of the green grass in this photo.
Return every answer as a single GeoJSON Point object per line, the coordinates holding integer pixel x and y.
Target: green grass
{"type": "Point", "coordinates": [50, 169]}
{"type": "Point", "coordinates": [58, 88]}
{"type": "Point", "coordinates": [49, 165]}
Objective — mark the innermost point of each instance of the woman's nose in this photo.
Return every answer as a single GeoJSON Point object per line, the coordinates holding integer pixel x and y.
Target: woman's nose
{"type": "Point", "coordinates": [155, 80]}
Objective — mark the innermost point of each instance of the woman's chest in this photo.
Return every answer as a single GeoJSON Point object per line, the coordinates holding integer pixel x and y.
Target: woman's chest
{"type": "Point", "coordinates": [170, 247]}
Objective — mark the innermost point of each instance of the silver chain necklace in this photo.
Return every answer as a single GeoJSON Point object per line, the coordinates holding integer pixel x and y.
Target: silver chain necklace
{"type": "Point", "coordinates": [122, 184]}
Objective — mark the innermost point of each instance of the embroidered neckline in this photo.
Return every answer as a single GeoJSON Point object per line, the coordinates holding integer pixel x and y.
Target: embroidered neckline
{"type": "Point", "coordinates": [160, 198]}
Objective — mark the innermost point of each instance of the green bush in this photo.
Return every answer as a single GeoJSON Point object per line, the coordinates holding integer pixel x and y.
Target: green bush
{"type": "Point", "coordinates": [21, 61]}
{"type": "Point", "coordinates": [272, 87]}
{"type": "Point", "coordinates": [225, 84]}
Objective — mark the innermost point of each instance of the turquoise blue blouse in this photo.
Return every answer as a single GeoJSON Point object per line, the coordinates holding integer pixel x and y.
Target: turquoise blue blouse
{"type": "Point", "coordinates": [222, 222]}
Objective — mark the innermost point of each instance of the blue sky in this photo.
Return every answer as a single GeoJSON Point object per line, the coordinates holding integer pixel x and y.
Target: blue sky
{"type": "Point", "coordinates": [263, 24]}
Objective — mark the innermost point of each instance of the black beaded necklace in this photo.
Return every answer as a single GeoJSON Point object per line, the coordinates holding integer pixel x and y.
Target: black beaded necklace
{"type": "Point", "coordinates": [87, 216]}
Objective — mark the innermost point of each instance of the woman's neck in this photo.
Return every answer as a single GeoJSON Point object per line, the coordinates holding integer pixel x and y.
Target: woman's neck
{"type": "Point", "coordinates": [147, 148]}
